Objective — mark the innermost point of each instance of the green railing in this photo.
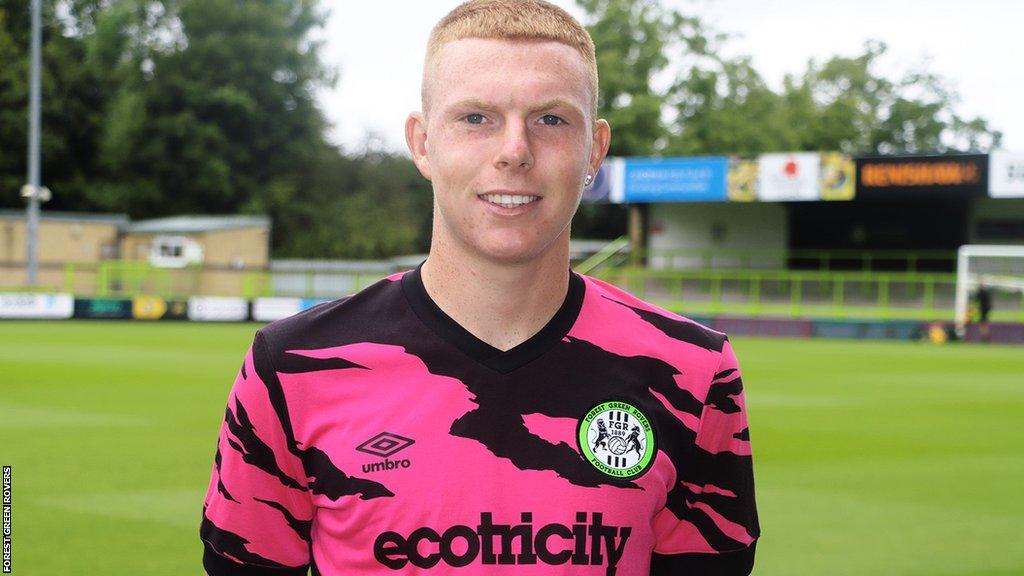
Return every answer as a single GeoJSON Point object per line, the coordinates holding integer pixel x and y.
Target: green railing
{"type": "Point", "coordinates": [804, 294]}
{"type": "Point", "coordinates": [257, 284]}
{"type": "Point", "coordinates": [781, 259]}
{"type": "Point", "coordinates": [611, 254]}
{"type": "Point", "coordinates": [262, 283]}
{"type": "Point", "coordinates": [126, 278]}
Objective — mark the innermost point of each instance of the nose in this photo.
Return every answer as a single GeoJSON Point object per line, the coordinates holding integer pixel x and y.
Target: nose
{"type": "Point", "coordinates": [515, 149]}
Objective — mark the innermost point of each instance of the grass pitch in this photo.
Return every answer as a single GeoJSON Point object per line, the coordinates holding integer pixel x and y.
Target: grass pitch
{"type": "Point", "coordinates": [872, 458]}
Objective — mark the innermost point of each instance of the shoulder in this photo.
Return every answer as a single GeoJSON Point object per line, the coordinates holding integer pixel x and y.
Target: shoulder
{"type": "Point", "coordinates": [337, 320]}
{"type": "Point", "coordinates": [609, 300]}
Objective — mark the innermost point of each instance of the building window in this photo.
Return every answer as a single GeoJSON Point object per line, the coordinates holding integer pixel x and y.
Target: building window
{"type": "Point", "coordinates": [175, 252]}
{"type": "Point", "coordinates": [171, 250]}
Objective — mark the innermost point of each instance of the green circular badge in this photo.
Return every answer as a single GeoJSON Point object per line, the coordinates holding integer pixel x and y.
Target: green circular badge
{"type": "Point", "coordinates": [617, 439]}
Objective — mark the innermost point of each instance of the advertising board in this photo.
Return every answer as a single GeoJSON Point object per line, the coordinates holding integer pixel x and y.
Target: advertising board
{"type": "Point", "coordinates": [103, 308]}
{"type": "Point", "coordinates": [789, 176]}
{"type": "Point", "coordinates": [696, 179]}
{"type": "Point", "coordinates": [271, 309]}
{"type": "Point", "coordinates": [217, 309]}
{"type": "Point", "coordinates": [955, 175]}
{"type": "Point", "coordinates": [26, 305]}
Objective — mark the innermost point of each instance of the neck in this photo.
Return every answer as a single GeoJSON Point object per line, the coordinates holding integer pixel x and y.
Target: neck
{"type": "Point", "coordinates": [501, 303]}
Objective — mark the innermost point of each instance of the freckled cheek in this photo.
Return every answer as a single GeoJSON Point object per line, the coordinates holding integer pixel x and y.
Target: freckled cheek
{"type": "Point", "coordinates": [455, 172]}
{"type": "Point", "coordinates": [566, 151]}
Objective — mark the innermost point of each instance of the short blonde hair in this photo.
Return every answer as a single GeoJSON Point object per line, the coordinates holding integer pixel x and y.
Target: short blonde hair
{"type": "Point", "coordinates": [512, 20]}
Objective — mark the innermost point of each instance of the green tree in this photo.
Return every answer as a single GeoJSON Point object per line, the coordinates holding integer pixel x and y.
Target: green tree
{"type": "Point", "coordinates": [215, 109]}
{"type": "Point", "coordinates": [72, 106]}
{"type": "Point", "coordinates": [371, 205]}
{"type": "Point", "coordinates": [13, 109]}
{"type": "Point", "coordinates": [849, 105]}
{"type": "Point", "coordinates": [667, 89]}
{"type": "Point", "coordinates": [725, 107]}
{"type": "Point", "coordinates": [844, 104]}
{"type": "Point", "coordinates": [635, 40]}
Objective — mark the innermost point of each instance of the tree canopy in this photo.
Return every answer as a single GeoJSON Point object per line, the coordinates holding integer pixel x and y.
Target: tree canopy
{"type": "Point", "coordinates": [668, 89]}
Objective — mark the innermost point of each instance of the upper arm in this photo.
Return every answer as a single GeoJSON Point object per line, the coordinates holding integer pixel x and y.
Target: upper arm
{"type": "Point", "coordinates": [257, 513]}
{"type": "Point", "coordinates": [709, 524]}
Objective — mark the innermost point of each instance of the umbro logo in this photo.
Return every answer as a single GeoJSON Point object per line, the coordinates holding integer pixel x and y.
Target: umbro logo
{"type": "Point", "coordinates": [384, 445]}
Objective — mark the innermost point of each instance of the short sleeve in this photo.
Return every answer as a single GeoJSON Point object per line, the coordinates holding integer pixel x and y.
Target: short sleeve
{"type": "Point", "coordinates": [257, 513]}
{"type": "Point", "coordinates": [709, 525]}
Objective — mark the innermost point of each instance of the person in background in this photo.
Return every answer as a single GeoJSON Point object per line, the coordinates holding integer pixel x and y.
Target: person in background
{"type": "Point", "coordinates": [983, 298]}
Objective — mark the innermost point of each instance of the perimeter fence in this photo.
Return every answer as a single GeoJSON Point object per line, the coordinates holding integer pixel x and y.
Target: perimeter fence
{"type": "Point", "coordinates": [802, 284]}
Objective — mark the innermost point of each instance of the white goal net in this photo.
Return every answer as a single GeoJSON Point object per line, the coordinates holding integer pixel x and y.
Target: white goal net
{"type": "Point", "coordinates": [1000, 269]}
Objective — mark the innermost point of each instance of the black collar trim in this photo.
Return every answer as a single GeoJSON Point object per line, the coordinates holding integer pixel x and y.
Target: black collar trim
{"type": "Point", "coordinates": [500, 361]}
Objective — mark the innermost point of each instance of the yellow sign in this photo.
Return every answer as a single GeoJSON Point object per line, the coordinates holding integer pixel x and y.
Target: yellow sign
{"type": "Point", "coordinates": [837, 176]}
{"type": "Point", "coordinates": [742, 180]}
{"type": "Point", "coordinates": [148, 307]}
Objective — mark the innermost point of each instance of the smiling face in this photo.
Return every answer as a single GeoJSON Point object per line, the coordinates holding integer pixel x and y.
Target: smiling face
{"type": "Point", "coordinates": [507, 138]}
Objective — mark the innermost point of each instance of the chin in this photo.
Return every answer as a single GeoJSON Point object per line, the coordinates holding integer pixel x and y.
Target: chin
{"type": "Point", "coordinates": [514, 251]}
{"type": "Point", "coordinates": [506, 255]}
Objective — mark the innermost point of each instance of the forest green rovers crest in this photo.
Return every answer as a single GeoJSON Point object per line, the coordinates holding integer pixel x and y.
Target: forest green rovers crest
{"type": "Point", "coordinates": [617, 439]}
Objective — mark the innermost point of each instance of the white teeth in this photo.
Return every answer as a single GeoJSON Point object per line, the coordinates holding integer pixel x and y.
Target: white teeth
{"type": "Point", "coordinates": [509, 200]}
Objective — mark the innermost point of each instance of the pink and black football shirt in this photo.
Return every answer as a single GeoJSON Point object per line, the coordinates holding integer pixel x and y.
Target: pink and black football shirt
{"type": "Point", "coordinates": [374, 435]}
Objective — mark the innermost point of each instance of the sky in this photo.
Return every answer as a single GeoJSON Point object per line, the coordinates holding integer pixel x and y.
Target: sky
{"type": "Point", "coordinates": [377, 49]}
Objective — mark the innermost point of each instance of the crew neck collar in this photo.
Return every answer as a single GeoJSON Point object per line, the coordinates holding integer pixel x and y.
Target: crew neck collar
{"type": "Point", "coordinates": [502, 361]}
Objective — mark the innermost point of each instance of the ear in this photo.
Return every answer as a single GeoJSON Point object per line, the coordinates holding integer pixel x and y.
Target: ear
{"type": "Point", "coordinates": [416, 140]}
{"type": "Point", "coordinates": [599, 147]}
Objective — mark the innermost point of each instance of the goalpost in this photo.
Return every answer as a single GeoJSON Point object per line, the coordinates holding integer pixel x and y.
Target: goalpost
{"type": "Point", "coordinates": [998, 267]}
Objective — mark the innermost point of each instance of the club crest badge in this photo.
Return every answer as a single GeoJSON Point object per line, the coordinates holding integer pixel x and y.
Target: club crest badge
{"type": "Point", "coordinates": [617, 439]}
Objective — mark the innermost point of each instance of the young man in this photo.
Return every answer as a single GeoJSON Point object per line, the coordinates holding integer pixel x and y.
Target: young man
{"type": "Point", "coordinates": [449, 420]}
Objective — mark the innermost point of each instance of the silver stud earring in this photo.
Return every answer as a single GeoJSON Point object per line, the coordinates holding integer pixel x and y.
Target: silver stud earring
{"type": "Point", "coordinates": [588, 180]}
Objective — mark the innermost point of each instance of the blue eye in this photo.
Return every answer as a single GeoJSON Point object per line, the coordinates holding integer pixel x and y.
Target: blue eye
{"type": "Point", "coordinates": [551, 120]}
{"type": "Point", "coordinates": [475, 118]}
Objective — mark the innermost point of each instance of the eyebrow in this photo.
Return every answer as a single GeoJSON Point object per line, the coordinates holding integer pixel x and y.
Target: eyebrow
{"type": "Point", "coordinates": [557, 102]}
{"type": "Point", "coordinates": [546, 105]}
{"type": "Point", "coordinates": [470, 103]}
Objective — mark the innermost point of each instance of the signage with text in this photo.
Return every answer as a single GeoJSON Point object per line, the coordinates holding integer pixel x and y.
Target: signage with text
{"type": "Point", "coordinates": [218, 309]}
{"type": "Point", "coordinates": [922, 176]}
{"type": "Point", "coordinates": [103, 308]}
{"type": "Point", "coordinates": [26, 305]}
{"type": "Point", "coordinates": [696, 179]}
{"type": "Point", "coordinates": [271, 309]}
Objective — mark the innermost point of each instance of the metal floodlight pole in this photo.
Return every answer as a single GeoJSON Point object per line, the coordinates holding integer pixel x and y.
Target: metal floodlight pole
{"type": "Point", "coordinates": [33, 143]}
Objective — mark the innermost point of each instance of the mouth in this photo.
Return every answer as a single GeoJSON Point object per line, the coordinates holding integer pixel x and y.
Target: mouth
{"type": "Point", "coordinates": [509, 200]}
